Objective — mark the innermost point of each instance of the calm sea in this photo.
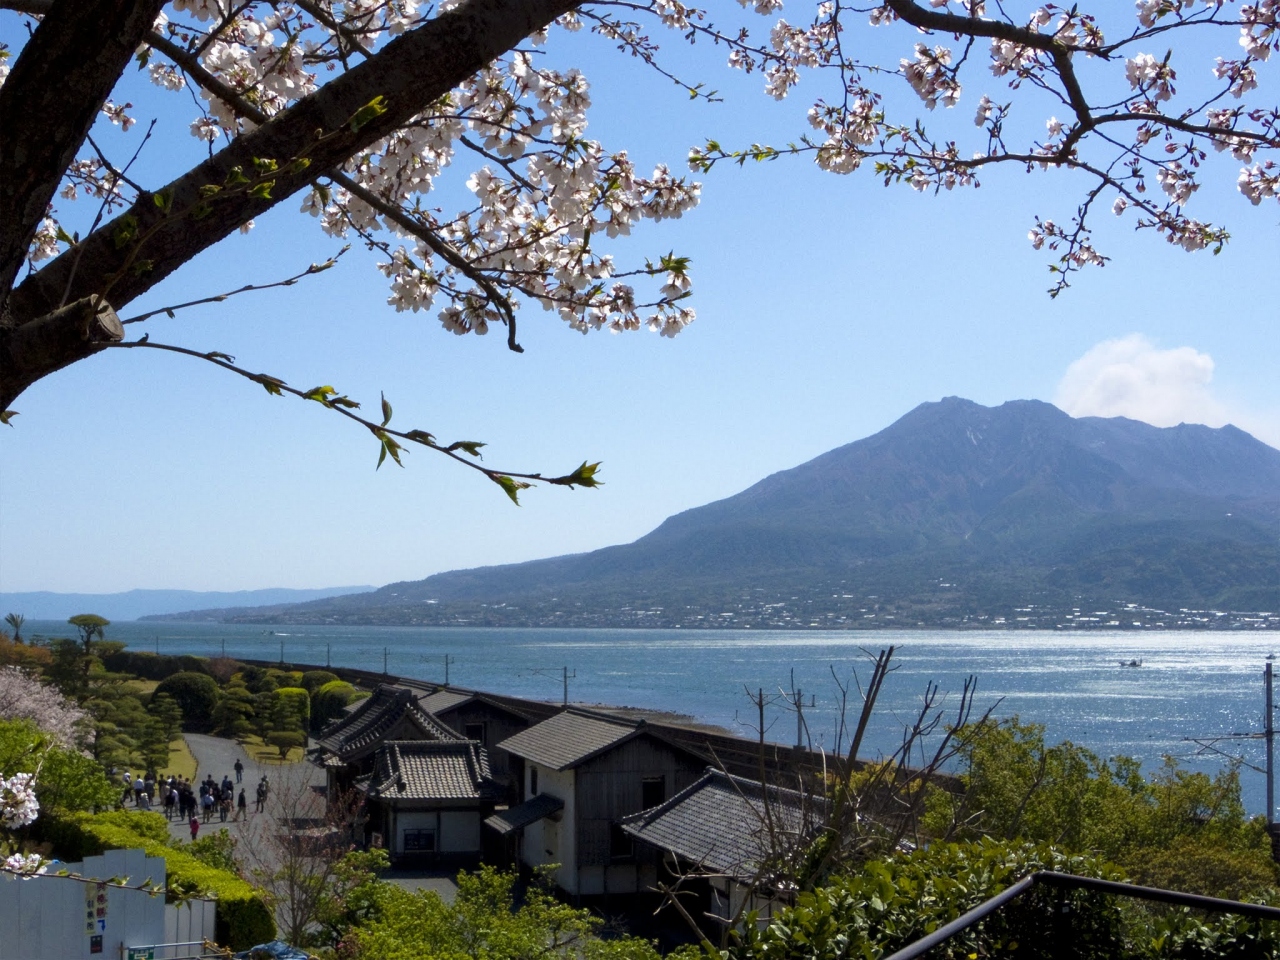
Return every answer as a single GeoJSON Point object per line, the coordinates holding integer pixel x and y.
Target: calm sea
{"type": "Point", "coordinates": [1189, 685]}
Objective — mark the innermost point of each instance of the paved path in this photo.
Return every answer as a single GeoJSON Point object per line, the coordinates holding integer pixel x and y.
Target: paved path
{"type": "Point", "coordinates": [216, 757]}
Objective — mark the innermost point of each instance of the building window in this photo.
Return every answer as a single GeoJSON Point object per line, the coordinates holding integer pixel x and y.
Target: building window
{"type": "Point", "coordinates": [653, 791]}
{"type": "Point", "coordinates": [474, 731]}
{"type": "Point", "coordinates": [620, 844]}
{"type": "Point", "coordinates": [419, 841]}
{"type": "Point", "coordinates": [533, 780]}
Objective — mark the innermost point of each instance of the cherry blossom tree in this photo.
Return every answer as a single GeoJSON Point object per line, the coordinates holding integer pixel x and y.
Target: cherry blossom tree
{"type": "Point", "coordinates": [357, 111]}
{"type": "Point", "coordinates": [24, 697]}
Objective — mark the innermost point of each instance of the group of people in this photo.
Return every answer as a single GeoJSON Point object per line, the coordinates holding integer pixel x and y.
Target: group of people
{"type": "Point", "coordinates": [195, 805]}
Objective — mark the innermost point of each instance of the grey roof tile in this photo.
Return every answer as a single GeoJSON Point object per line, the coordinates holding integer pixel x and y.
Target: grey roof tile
{"type": "Point", "coordinates": [532, 810]}
{"type": "Point", "coordinates": [719, 822]}
{"type": "Point", "coordinates": [569, 738]}
{"type": "Point", "coordinates": [443, 699]}
{"type": "Point", "coordinates": [379, 714]}
{"type": "Point", "coordinates": [432, 770]}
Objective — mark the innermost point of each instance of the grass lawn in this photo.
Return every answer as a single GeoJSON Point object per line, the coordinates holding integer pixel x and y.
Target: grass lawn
{"type": "Point", "coordinates": [140, 687]}
{"type": "Point", "coordinates": [266, 753]}
{"type": "Point", "coordinates": [181, 761]}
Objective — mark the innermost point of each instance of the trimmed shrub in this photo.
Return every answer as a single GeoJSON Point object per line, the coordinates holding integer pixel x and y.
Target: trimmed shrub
{"type": "Point", "coordinates": [292, 702]}
{"type": "Point", "coordinates": [243, 917]}
{"type": "Point", "coordinates": [151, 666]}
{"type": "Point", "coordinates": [197, 695]}
{"type": "Point", "coordinates": [329, 701]}
{"type": "Point", "coordinates": [313, 680]}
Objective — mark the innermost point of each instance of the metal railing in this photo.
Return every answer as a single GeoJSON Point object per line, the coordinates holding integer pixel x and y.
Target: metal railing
{"type": "Point", "coordinates": [1069, 881]}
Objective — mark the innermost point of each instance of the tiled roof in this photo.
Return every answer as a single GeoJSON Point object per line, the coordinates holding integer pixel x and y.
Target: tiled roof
{"type": "Point", "coordinates": [569, 738]}
{"type": "Point", "coordinates": [432, 770]}
{"type": "Point", "coordinates": [378, 714]}
{"type": "Point", "coordinates": [719, 822]}
{"type": "Point", "coordinates": [443, 699]}
{"type": "Point", "coordinates": [532, 810]}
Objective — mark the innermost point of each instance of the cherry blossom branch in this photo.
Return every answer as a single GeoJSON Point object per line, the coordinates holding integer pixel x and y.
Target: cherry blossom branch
{"type": "Point", "coordinates": [438, 246]}
{"type": "Point", "coordinates": [511, 482]}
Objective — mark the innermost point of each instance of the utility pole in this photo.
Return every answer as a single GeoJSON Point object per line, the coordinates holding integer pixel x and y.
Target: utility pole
{"type": "Point", "coordinates": [796, 699]}
{"type": "Point", "coordinates": [328, 654]}
{"type": "Point", "coordinates": [224, 648]}
{"type": "Point", "coordinates": [157, 645]}
{"type": "Point", "coordinates": [447, 658]}
{"type": "Point", "coordinates": [1271, 739]}
{"type": "Point", "coordinates": [567, 677]}
{"type": "Point", "coordinates": [282, 652]}
{"type": "Point", "coordinates": [384, 661]}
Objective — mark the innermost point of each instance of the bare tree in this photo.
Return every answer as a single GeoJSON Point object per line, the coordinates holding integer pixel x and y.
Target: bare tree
{"type": "Point", "coordinates": [294, 851]}
{"type": "Point", "coordinates": [837, 810]}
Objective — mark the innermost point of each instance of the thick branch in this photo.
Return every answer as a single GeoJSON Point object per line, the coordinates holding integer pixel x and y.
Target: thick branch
{"type": "Point", "coordinates": [78, 330]}
{"type": "Point", "coordinates": [311, 137]}
{"type": "Point", "coordinates": [49, 102]}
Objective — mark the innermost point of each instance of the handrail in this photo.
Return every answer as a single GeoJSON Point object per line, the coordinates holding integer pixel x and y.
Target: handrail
{"type": "Point", "coordinates": [1052, 878]}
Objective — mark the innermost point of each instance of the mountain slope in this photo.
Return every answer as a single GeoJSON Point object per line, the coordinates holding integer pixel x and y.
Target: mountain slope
{"type": "Point", "coordinates": [1013, 504]}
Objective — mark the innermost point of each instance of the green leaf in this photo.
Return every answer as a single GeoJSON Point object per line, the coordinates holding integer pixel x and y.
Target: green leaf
{"type": "Point", "coordinates": [346, 402]}
{"type": "Point", "coordinates": [370, 111]}
{"type": "Point", "coordinates": [320, 395]}
{"type": "Point", "coordinates": [468, 446]}
{"type": "Point", "coordinates": [510, 486]}
{"type": "Point", "coordinates": [216, 355]}
{"type": "Point", "coordinates": [386, 410]}
{"type": "Point", "coordinates": [265, 165]}
{"type": "Point", "coordinates": [6, 416]}
{"type": "Point", "coordinates": [163, 200]}
{"type": "Point", "coordinates": [271, 384]}
{"type": "Point", "coordinates": [389, 446]}
{"type": "Point", "coordinates": [263, 190]}
{"type": "Point", "coordinates": [421, 436]}
{"type": "Point", "coordinates": [64, 236]}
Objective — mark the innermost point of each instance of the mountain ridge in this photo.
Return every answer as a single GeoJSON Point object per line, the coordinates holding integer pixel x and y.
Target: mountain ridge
{"type": "Point", "coordinates": [1021, 502]}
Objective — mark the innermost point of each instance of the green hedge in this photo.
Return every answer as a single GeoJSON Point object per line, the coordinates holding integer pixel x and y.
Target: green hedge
{"type": "Point", "coordinates": [243, 917]}
{"type": "Point", "coordinates": [151, 666]}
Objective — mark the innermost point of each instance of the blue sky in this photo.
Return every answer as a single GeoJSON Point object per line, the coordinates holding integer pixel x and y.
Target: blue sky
{"type": "Point", "coordinates": [827, 308]}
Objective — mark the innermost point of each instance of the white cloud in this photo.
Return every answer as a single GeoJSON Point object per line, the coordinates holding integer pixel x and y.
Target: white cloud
{"type": "Point", "coordinates": [1132, 377]}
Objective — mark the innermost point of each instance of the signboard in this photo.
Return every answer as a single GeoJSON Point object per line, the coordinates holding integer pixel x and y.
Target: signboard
{"type": "Point", "coordinates": [142, 953]}
{"type": "Point", "coordinates": [95, 944]}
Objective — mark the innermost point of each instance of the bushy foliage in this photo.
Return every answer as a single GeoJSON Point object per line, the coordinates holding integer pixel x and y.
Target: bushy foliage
{"type": "Point", "coordinates": [151, 666]}
{"type": "Point", "coordinates": [67, 780]}
{"type": "Point", "coordinates": [25, 655]}
{"type": "Point", "coordinates": [291, 709]}
{"type": "Point", "coordinates": [1177, 828]}
{"type": "Point", "coordinates": [483, 921]}
{"type": "Point", "coordinates": [216, 849]}
{"type": "Point", "coordinates": [313, 680]}
{"type": "Point", "coordinates": [196, 694]}
{"type": "Point", "coordinates": [892, 903]}
{"type": "Point", "coordinates": [329, 701]}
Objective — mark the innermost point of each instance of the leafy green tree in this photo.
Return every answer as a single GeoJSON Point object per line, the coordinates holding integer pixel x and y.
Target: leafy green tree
{"type": "Point", "coordinates": [166, 710]}
{"type": "Point", "coordinates": [1177, 828]}
{"type": "Point", "coordinates": [91, 627]}
{"type": "Point", "coordinates": [291, 710]}
{"type": "Point", "coordinates": [233, 715]}
{"type": "Point", "coordinates": [15, 620]}
{"type": "Point", "coordinates": [484, 921]}
{"type": "Point", "coordinates": [328, 702]}
{"type": "Point", "coordinates": [313, 680]}
{"type": "Point", "coordinates": [286, 740]}
{"type": "Point", "coordinates": [67, 779]}
{"type": "Point", "coordinates": [196, 694]}
{"type": "Point", "coordinates": [350, 897]}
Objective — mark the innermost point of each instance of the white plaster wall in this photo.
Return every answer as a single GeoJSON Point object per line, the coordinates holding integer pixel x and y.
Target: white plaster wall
{"type": "Point", "coordinates": [548, 835]}
{"type": "Point", "coordinates": [459, 831]}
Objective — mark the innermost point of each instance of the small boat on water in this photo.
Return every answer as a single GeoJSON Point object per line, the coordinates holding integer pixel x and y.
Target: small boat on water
{"type": "Point", "coordinates": [1130, 663]}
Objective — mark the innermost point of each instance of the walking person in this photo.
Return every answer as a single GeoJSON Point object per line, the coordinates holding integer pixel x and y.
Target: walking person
{"type": "Point", "coordinates": [239, 770]}
{"type": "Point", "coordinates": [240, 805]}
{"type": "Point", "coordinates": [261, 796]}
{"type": "Point", "coordinates": [195, 826]}
{"type": "Point", "coordinates": [206, 801]}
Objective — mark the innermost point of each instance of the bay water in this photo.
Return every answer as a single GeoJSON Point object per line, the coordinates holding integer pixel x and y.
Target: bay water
{"type": "Point", "coordinates": [1190, 685]}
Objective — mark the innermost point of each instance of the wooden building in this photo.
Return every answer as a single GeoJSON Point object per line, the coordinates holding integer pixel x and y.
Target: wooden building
{"type": "Point", "coordinates": [583, 772]}
{"type": "Point", "coordinates": [726, 836]}
{"type": "Point", "coordinates": [487, 720]}
{"type": "Point", "coordinates": [426, 800]}
{"type": "Point", "coordinates": [346, 747]}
